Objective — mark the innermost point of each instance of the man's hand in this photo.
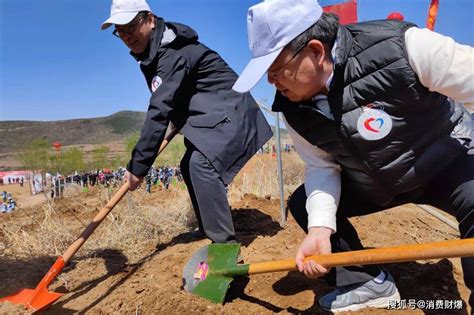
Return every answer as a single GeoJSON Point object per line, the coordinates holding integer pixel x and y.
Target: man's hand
{"type": "Point", "coordinates": [316, 242]}
{"type": "Point", "coordinates": [133, 181]}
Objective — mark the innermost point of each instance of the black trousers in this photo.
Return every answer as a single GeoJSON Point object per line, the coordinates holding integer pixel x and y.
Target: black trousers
{"type": "Point", "coordinates": [452, 190]}
{"type": "Point", "coordinates": [208, 196]}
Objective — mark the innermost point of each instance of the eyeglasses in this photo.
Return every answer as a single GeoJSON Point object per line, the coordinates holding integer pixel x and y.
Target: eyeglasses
{"type": "Point", "coordinates": [130, 28]}
{"type": "Point", "coordinates": [277, 72]}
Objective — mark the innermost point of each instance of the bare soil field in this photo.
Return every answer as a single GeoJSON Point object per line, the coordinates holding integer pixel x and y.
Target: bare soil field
{"type": "Point", "coordinates": [133, 263]}
{"type": "Point", "coordinates": [23, 196]}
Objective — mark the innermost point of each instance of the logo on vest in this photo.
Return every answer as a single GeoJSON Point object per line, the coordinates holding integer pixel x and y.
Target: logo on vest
{"type": "Point", "coordinates": [155, 83]}
{"type": "Point", "coordinates": [374, 124]}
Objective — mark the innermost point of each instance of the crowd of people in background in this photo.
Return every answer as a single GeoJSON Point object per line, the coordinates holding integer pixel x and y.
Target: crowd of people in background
{"type": "Point", "coordinates": [109, 178]}
{"type": "Point", "coordinates": [106, 178]}
{"type": "Point", "coordinates": [271, 148]}
{"type": "Point", "coordinates": [14, 180]}
{"type": "Point", "coordinates": [103, 177]}
{"type": "Point", "coordinates": [157, 176]}
{"type": "Point", "coordinates": [288, 147]}
{"type": "Point", "coordinates": [8, 204]}
{"type": "Point", "coordinates": [162, 175]}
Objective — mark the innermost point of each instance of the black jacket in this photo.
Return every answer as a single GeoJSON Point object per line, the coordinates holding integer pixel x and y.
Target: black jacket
{"type": "Point", "coordinates": [371, 69]}
{"type": "Point", "coordinates": [192, 87]}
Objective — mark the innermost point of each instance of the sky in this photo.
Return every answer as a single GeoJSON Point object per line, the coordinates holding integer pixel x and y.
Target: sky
{"type": "Point", "coordinates": [56, 63]}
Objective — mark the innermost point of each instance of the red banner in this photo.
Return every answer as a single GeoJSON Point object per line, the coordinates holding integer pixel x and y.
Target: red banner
{"type": "Point", "coordinates": [14, 173]}
{"type": "Point", "coordinates": [347, 11]}
{"type": "Point", "coordinates": [432, 13]}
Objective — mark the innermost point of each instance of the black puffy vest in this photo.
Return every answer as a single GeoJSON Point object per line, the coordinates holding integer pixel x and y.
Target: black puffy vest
{"type": "Point", "coordinates": [371, 69]}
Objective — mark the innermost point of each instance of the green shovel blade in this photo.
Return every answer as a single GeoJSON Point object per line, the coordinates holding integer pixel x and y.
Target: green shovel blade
{"type": "Point", "coordinates": [210, 271]}
{"type": "Point", "coordinates": [214, 288]}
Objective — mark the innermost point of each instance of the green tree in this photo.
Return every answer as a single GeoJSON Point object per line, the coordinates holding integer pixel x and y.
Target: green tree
{"type": "Point", "coordinates": [117, 162]}
{"type": "Point", "coordinates": [130, 143]}
{"type": "Point", "coordinates": [99, 157]}
{"type": "Point", "coordinates": [35, 154]}
{"type": "Point", "coordinates": [170, 156]}
{"type": "Point", "coordinates": [72, 160]}
{"type": "Point", "coordinates": [173, 152]}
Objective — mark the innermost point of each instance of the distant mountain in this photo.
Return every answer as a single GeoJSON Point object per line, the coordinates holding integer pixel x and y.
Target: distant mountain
{"type": "Point", "coordinates": [71, 132]}
{"type": "Point", "coordinates": [99, 130]}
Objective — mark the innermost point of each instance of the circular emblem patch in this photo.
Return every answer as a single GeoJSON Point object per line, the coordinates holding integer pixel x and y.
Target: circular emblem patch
{"type": "Point", "coordinates": [155, 83]}
{"type": "Point", "coordinates": [374, 124]}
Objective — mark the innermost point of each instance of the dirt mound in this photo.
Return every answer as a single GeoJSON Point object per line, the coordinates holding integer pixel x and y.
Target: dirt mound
{"type": "Point", "coordinates": [108, 279]}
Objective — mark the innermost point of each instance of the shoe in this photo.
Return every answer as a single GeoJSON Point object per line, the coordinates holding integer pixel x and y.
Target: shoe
{"type": "Point", "coordinates": [357, 296]}
{"type": "Point", "coordinates": [197, 233]}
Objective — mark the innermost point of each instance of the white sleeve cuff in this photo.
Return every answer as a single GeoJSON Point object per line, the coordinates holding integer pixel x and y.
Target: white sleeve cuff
{"type": "Point", "coordinates": [321, 208]}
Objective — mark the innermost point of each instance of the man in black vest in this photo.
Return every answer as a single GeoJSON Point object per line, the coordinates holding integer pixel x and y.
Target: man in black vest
{"type": "Point", "coordinates": [191, 88]}
{"type": "Point", "coordinates": [379, 111]}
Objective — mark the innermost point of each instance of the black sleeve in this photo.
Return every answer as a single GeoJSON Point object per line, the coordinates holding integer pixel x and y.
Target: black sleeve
{"type": "Point", "coordinates": [172, 70]}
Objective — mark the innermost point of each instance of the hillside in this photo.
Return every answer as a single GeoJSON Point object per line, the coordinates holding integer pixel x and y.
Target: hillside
{"type": "Point", "coordinates": [74, 131]}
{"type": "Point", "coordinates": [71, 132]}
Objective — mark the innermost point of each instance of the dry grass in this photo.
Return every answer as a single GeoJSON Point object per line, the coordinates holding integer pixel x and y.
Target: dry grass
{"type": "Point", "coordinates": [136, 221]}
{"type": "Point", "coordinates": [260, 177]}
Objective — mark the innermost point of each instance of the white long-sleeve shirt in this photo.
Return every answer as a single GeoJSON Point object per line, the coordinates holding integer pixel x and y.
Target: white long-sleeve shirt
{"type": "Point", "coordinates": [442, 66]}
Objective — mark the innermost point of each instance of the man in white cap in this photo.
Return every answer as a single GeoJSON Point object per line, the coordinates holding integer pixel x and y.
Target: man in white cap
{"type": "Point", "coordinates": [191, 87]}
{"type": "Point", "coordinates": [376, 111]}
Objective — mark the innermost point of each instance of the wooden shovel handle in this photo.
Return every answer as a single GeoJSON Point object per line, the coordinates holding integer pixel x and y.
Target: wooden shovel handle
{"type": "Point", "coordinates": [74, 247]}
{"type": "Point", "coordinates": [403, 253]}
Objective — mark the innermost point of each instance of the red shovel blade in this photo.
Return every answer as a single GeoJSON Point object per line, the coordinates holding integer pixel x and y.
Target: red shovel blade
{"type": "Point", "coordinates": [33, 299]}
{"type": "Point", "coordinates": [40, 297]}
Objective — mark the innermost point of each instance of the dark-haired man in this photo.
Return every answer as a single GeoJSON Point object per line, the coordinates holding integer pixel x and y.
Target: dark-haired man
{"type": "Point", "coordinates": [379, 111]}
{"type": "Point", "coordinates": [191, 88]}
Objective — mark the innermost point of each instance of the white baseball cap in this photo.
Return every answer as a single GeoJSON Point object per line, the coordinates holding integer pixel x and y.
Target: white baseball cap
{"type": "Point", "coordinates": [124, 11]}
{"type": "Point", "coordinates": [271, 25]}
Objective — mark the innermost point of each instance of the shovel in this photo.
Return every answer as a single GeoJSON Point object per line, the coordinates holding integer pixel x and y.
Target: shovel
{"type": "Point", "coordinates": [40, 297]}
{"type": "Point", "coordinates": [211, 269]}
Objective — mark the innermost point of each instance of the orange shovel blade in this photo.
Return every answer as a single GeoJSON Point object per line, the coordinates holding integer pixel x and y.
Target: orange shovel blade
{"type": "Point", "coordinates": [40, 297]}
{"type": "Point", "coordinates": [33, 299]}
